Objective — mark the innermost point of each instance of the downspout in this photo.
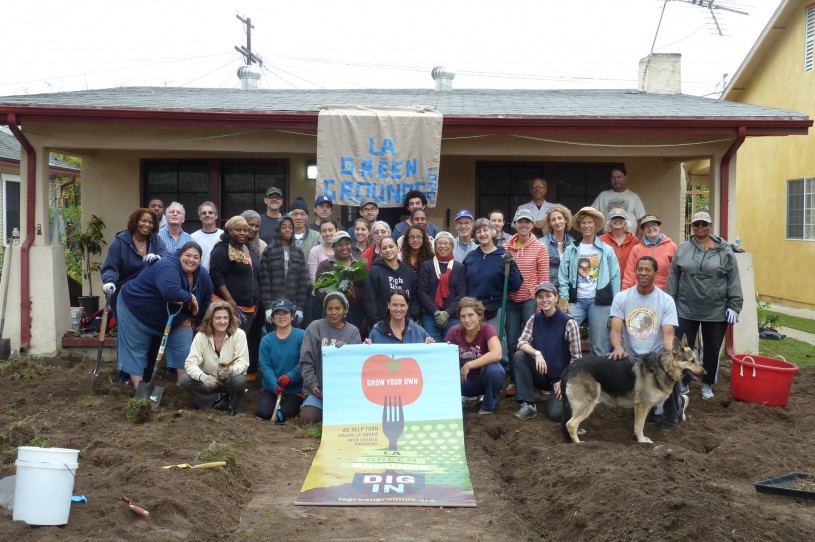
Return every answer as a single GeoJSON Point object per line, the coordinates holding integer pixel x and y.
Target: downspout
{"type": "Point", "coordinates": [724, 179]}
{"type": "Point", "coordinates": [25, 263]}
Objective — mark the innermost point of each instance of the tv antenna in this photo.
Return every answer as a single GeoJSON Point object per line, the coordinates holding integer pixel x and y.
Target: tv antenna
{"type": "Point", "coordinates": [247, 53]}
{"type": "Point", "coordinates": [714, 10]}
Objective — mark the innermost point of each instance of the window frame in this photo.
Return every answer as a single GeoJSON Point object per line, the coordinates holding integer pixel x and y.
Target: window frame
{"type": "Point", "coordinates": [809, 38]}
{"type": "Point", "coordinates": [807, 221]}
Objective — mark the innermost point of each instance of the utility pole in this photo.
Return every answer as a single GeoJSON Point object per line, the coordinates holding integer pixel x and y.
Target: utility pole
{"type": "Point", "coordinates": [247, 53]}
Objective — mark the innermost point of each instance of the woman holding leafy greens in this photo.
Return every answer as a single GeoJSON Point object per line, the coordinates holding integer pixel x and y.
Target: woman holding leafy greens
{"type": "Point", "coordinates": [349, 279]}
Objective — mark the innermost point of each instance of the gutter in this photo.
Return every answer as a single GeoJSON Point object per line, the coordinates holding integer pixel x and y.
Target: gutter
{"type": "Point", "coordinates": [724, 179]}
{"type": "Point", "coordinates": [25, 256]}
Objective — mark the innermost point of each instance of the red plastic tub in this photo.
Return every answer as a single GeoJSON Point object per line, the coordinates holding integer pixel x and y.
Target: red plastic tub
{"type": "Point", "coordinates": [766, 381]}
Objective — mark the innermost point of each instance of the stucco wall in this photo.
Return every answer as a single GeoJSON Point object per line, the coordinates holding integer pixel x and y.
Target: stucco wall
{"type": "Point", "coordinates": [765, 164]}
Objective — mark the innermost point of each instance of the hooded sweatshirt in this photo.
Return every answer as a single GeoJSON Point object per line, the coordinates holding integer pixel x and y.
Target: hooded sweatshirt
{"type": "Point", "coordinates": [705, 283]}
{"type": "Point", "coordinates": [381, 280]}
{"type": "Point", "coordinates": [663, 252]}
{"type": "Point", "coordinates": [485, 277]}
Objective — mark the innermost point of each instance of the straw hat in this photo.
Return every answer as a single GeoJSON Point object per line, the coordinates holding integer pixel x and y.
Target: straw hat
{"type": "Point", "coordinates": [598, 217]}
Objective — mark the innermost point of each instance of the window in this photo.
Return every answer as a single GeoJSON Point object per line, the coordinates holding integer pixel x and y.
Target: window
{"type": "Point", "coordinates": [233, 185]}
{"type": "Point", "coordinates": [809, 39]}
{"type": "Point", "coordinates": [801, 209]}
{"type": "Point", "coordinates": [11, 205]}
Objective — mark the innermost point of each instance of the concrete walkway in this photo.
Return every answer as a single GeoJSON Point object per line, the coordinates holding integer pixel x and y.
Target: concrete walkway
{"type": "Point", "coordinates": [807, 314]}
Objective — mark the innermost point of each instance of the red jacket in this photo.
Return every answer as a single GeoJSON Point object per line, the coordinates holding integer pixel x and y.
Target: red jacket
{"type": "Point", "coordinates": [621, 251]}
{"type": "Point", "coordinates": [663, 253]}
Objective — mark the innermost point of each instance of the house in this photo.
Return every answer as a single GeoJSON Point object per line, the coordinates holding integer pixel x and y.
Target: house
{"type": "Point", "coordinates": [229, 145]}
{"type": "Point", "coordinates": [10, 177]}
{"type": "Point", "coordinates": [775, 203]}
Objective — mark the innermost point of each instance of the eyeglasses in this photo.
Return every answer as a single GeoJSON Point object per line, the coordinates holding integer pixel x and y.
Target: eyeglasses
{"type": "Point", "coordinates": [204, 213]}
{"type": "Point", "coordinates": [538, 187]}
{"type": "Point", "coordinates": [700, 224]}
{"type": "Point", "coordinates": [274, 196]}
{"type": "Point", "coordinates": [415, 238]}
{"type": "Point", "coordinates": [369, 208]}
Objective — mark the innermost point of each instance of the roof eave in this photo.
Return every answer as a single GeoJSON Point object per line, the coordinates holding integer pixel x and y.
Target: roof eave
{"type": "Point", "coordinates": [307, 120]}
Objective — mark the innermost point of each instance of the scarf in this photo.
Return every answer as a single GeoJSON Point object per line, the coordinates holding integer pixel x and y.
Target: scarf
{"type": "Point", "coordinates": [443, 289]}
{"type": "Point", "coordinates": [237, 253]}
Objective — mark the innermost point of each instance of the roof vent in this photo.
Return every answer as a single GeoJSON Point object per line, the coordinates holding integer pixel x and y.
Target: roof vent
{"type": "Point", "coordinates": [249, 76]}
{"type": "Point", "coordinates": [661, 73]}
{"type": "Point", "coordinates": [444, 78]}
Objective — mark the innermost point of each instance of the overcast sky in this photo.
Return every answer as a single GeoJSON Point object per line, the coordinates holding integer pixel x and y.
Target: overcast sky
{"type": "Point", "coordinates": [54, 46]}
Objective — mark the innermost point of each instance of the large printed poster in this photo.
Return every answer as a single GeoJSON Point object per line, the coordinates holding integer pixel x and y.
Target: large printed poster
{"type": "Point", "coordinates": [392, 429]}
{"type": "Point", "coordinates": [378, 153]}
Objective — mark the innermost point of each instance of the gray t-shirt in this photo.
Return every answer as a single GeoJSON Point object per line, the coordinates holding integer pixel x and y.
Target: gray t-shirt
{"type": "Point", "coordinates": [320, 333]}
{"type": "Point", "coordinates": [627, 200]}
{"type": "Point", "coordinates": [643, 317]}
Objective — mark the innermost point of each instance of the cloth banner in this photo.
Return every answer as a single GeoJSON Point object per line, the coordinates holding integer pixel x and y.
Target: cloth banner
{"type": "Point", "coordinates": [378, 153]}
{"type": "Point", "coordinates": [392, 429]}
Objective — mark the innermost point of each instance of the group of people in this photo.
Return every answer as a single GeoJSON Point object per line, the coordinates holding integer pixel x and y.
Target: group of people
{"type": "Point", "coordinates": [513, 302]}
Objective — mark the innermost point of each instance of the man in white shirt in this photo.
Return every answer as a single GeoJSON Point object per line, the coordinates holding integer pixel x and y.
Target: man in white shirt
{"type": "Point", "coordinates": [538, 206]}
{"type": "Point", "coordinates": [620, 196]}
{"type": "Point", "coordinates": [210, 233]}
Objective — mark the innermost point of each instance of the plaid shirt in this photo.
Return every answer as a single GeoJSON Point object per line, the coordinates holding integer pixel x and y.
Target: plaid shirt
{"type": "Point", "coordinates": [572, 335]}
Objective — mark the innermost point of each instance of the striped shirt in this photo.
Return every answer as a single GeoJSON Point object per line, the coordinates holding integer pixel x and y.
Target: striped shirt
{"type": "Point", "coordinates": [533, 262]}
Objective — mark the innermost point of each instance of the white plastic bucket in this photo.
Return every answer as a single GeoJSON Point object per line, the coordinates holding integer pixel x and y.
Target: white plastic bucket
{"type": "Point", "coordinates": [43, 490]}
{"type": "Point", "coordinates": [47, 455]}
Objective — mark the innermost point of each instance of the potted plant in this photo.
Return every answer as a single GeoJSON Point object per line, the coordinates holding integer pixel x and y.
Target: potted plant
{"type": "Point", "coordinates": [89, 242]}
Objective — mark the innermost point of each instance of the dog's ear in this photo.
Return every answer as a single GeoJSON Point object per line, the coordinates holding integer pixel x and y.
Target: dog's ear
{"type": "Point", "coordinates": [685, 341]}
{"type": "Point", "coordinates": [677, 346]}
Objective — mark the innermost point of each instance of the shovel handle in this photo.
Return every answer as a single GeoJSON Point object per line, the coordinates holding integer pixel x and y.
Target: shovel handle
{"type": "Point", "coordinates": [211, 465]}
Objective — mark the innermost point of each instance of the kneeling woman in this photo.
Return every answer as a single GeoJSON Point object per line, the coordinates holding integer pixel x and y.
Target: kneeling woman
{"type": "Point", "coordinates": [397, 328]}
{"type": "Point", "coordinates": [479, 351]}
{"type": "Point", "coordinates": [332, 330]}
{"type": "Point", "coordinates": [218, 360]}
{"type": "Point", "coordinates": [280, 365]}
{"type": "Point", "coordinates": [144, 305]}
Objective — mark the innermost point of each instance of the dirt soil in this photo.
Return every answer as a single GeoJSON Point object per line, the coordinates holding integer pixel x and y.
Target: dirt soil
{"type": "Point", "coordinates": [694, 484]}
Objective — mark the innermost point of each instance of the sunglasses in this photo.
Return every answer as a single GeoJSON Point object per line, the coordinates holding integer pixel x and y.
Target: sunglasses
{"type": "Point", "coordinates": [700, 224]}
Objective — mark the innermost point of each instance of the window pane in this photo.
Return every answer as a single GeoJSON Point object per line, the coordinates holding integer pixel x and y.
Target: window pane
{"type": "Point", "coordinates": [238, 177]}
{"type": "Point", "coordinates": [795, 209]}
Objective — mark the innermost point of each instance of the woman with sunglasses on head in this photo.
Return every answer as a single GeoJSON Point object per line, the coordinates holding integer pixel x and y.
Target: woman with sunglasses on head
{"type": "Point", "coordinates": [379, 230]}
{"type": "Point", "coordinates": [704, 282]}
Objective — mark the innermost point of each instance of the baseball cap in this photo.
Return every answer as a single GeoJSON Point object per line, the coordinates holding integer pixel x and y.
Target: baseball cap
{"type": "Point", "coordinates": [274, 190]}
{"type": "Point", "coordinates": [464, 213]}
{"type": "Point", "coordinates": [282, 305]}
{"type": "Point", "coordinates": [339, 236]}
{"type": "Point", "coordinates": [523, 213]}
{"type": "Point", "coordinates": [546, 286]}
{"type": "Point", "coordinates": [617, 212]}
{"type": "Point", "coordinates": [701, 217]}
{"type": "Point", "coordinates": [369, 201]}
{"type": "Point", "coordinates": [649, 218]}
{"type": "Point", "coordinates": [323, 199]}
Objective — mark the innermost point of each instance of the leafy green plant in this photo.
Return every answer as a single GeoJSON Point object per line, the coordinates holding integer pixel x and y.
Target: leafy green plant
{"type": "Point", "coordinates": [342, 278]}
{"type": "Point", "coordinates": [766, 319]}
{"type": "Point", "coordinates": [138, 411]}
{"type": "Point", "coordinates": [90, 242]}
{"type": "Point", "coordinates": [217, 452]}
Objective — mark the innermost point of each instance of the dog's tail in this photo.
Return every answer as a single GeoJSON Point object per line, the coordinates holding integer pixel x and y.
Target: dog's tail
{"type": "Point", "coordinates": [567, 411]}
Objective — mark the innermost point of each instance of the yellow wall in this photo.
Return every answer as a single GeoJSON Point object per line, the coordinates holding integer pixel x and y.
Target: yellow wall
{"type": "Point", "coordinates": [765, 164]}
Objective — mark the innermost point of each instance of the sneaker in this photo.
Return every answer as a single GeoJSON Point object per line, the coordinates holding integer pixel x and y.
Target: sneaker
{"type": "Point", "coordinates": [685, 400]}
{"type": "Point", "coordinates": [485, 411]}
{"type": "Point", "coordinates": [668, 427]}
{"type": "Point", "coordinates": [510, 390]}
{"type": "Point", "coordinates": [707, 392]}
{"type": "Point", "coordinates": [527, 412]}
{"type": "Point", "coordinates": [471, 402]}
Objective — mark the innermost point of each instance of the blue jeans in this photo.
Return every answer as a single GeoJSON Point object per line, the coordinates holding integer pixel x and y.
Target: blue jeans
{"type": "Point", "coordinates": [438, 334]}
{"type": "Point", "coordinates": [598, 316]}
{"type": "Point", "coordinates": [487, 382]}
{"type": "Point", "coordinates": [518, 313]}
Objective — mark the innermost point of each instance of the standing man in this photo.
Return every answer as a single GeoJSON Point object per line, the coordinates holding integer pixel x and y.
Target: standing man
{"type": "Point", "coordinates": [305, 239]}
{"type": "Point", "coordinates": [620, 196]}
{"type": "Point", "coordinates": [323, 207]}
{"type": "Point", "coordinates": [268, 220]}
{"type": "Point", "coordinates": [464, 243]}
{"type": "Point", "coordinates": [549, 342]}
{"type": "Point", "coordinates": [210, 233]}
{"type": "Point", "coordinates": [157, 206]}
{"type": "Point", "coordinates": [173, 236]}
{"type": "Point", "coordinates": [414, 200]}
{"type": "Point", "coordinates": [538, 206]}
{"type": "Point", "coordinates": [643, 321]}
{"type": "Point", "coordinates": [369, 210]}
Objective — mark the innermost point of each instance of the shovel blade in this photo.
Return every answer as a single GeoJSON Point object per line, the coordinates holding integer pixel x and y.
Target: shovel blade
{"type": "Point", "coordinates": [150, 393]}
{"type": "Point", "coordinates": [155, 397]}
{"type": "Point", "coordinates": [94, 383]}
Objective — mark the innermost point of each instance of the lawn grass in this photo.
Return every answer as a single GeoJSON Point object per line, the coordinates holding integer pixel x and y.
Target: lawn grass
{"type": "Point", "coordinates": [794, 322]}
{"type": "Point", "coordinates": [800, 353]}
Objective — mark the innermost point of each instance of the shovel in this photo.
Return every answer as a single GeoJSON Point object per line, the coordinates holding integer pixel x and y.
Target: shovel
{"type": "Point", "coordinates": [212, 465]}
{"type": "Point", "coordinates": [102, 329]}
{"type": "Point", "coordinates": [277, 408]}
{"type": "Point", "coordinates": [148, 390]}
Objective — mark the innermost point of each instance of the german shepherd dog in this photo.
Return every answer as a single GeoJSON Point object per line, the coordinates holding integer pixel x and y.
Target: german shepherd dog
{"type": "Point", "coordinates": [635, 382]}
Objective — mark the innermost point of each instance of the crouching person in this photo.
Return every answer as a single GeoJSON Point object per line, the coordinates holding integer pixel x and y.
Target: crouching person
{"type": "Point", "coordinates": [218, 360]}
{"type": "Point", "coordinates": [279, 360]}
{"type": "Point", "coordinates": [549, 342]}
